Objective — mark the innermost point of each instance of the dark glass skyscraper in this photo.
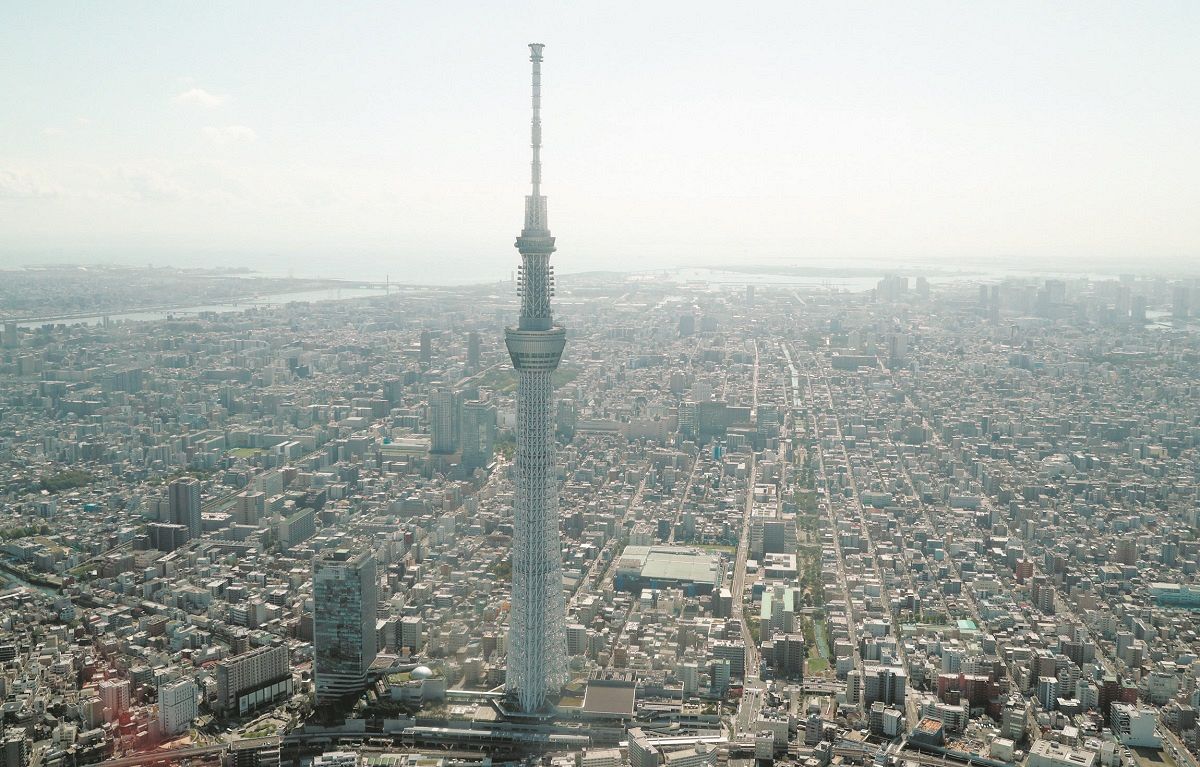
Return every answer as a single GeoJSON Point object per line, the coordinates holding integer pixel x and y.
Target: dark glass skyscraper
{"type": "Point", "coordinates": [184, 503]}
{"type": "Point", "coordinates": [345, 596]}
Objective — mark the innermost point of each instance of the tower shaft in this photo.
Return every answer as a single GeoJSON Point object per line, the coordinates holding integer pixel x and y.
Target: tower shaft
{"type": "Point", "coordinates": [537, 651]}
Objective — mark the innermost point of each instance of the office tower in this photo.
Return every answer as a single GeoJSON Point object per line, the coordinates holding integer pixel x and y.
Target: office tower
{"type": "Point", "coordinates": [184, 504]}
{"type": "Point", "coordinates": [566, 419]}
{"type": "Point", "coordinates": [1181, 304]}
{"type": "Point", "coordinates": [537, 647]}
{"type": "Point", "coordinates": [478, 434]}
{"type": "Point", "coordinates": [344, 603]}
{"type": "Point", "coordinates": [767, 424]}
{"type": "Point", "coordinates": [718, 676]}
{"type": "Point", "coordinates": [1137, 310]}
{"type": "Point", "coordinates": [732, 650]}
{"type": "Point", "coordinates": [687, 325]}
{"type": "Point", "coordinates": [443, 421]}
{"type": "Point", "coordinates": [897, 349]}
{"type": "Point", "coordinates": [247, 681]}
{"type": "Point", "coordinates": [412, 632]}
{"type": "Point", "coordinates": [176, 707]}
{"type": "Point", "coordinates": [167, 537]}
{"type": "Point", "coordinates": [426, 348]}
{"type": "Point", "coordinates": [689, 675]}
{"type": "Point", "coordinates": [473, 350]}
{"type": "Point", "coordinates": [749, 295]}
{"type": "Point", "coordinates": [687, 418]}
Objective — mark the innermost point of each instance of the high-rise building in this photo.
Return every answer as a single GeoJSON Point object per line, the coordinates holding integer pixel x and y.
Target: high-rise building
{"type": "Point", "coordinates": [478, 434]}
{"type": "Point", "coordinates": [254, 752]}
{"type": "Point", "coordinates": [577, 639]}
{"type": "Point", "coordinates": [184, 503]}
{"type": "Point", "coordinates": [884, 683]}
{"type": "Point", "coordinates": [473, 351]}
{"type": "Point", "coordinates": [345, 598]}
{"type": "Point", "coordinates": [176, 707]}
{"type": "Point", "coordinates": [566, 419]}
{"type": "Point", "coordinates": [687, 325]}
{"type": "Point", "coordinates": [252, 679]}
{"type": "Point", "coordinates": [444, 406]}
{"type": "Point", "coordinates": [426, 348]}
{"type": "Point", "coordinates": [537, 647]}
{"type": "Point", "coordinates": [642, 752]}
{"type": "Point", "coordinates": [12, 338]}
{"type": "Point", "coordinates": [412, 632]}
{"type": "Point", "coordinates": [115, 695]}
{"type": "Point", "coordinates": [1047, 692]}
{"type": "Point", "coordinates": [1127, 551]}
{"type": "Point", "coordinates": [16, 748]}
{"type": "Point", "coordinates": [1181, 304]}
{"type": "Point", "coordinates": [732, 650]}
{"type": "Point", "coordinates": [790, 652]}
{"type": "Point", "coordinates": [167, 537]}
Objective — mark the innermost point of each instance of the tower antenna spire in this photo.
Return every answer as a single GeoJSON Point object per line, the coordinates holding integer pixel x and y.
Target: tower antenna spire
{"type": "Point", "coordinates": [535, 126]}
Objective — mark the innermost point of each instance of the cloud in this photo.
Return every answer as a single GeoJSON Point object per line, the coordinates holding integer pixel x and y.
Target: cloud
{"type": "Point", "coordinates": [20, 185]}
{"type": "Point", "coordinates": [229, 134]}
{"type": "Point", "coordinates": [147, 185]}
{"type": "Point", "coordinates": [198, 97]}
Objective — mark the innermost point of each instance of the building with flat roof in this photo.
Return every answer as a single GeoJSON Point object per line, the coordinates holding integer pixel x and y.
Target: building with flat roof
{"type": "Point", "coordinates": [695, 570]}
{"type": "Point", "coordinates": [176, 707]}
{"type": "Point", "coordinates": [609, 697]}
{"type": "Point", "coordinates": [1175, 594]}
{"type": "Point", "coordinates": [252, 679]}
{"type": "Point", "coordinates": [1048, 753]}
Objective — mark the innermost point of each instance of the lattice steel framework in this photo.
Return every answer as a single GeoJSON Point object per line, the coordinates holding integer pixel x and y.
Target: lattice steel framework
{"type": "Point", "coordinates": [537, 643]}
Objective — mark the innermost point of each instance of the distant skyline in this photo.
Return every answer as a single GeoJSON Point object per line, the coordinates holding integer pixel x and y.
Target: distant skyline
{"type": "Point", "coordinates": [391, 138]}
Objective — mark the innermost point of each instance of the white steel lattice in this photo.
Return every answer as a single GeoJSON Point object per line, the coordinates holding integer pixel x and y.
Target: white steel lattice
{"type": "Point", "coordinates": [537, 644]}
{"type": "Point", "coordinates": [537, 653]}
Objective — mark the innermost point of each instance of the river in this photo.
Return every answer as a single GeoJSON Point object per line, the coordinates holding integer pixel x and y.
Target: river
{"type": "Point", "coordinates": [276, 299]}
{"type": "Point", "coordinates": [12, 579]}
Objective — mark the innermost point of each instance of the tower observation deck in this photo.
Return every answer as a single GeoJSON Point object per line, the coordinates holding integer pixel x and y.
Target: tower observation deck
{"type": "Point", "coordinates": [537, 645]}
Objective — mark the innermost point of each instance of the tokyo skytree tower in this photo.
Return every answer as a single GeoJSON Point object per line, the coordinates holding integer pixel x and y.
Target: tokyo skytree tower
{"type": "Point", "coordinates": [537, 643]}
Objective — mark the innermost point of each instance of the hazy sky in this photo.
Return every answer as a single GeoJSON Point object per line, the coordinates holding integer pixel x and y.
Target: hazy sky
{"type": "Point", "coordinates": [369, 138]}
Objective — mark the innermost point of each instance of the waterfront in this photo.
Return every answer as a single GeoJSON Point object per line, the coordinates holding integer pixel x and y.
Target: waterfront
{"type": "Point", "coordinates": [252, 302]}
{"type": "Point", "coordinates": [11, 577]}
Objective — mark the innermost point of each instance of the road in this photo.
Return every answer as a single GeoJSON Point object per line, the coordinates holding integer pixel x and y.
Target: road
{"type": "Point", "coordinates": [172, 755]}
{"type": "Point", "coordinates": [687, 488]}
{"type": "Point", "coordinates": [751, 702]}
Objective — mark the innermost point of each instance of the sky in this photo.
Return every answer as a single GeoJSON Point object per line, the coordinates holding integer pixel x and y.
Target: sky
{"type": "Point", "coordinates": [370, 139]}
